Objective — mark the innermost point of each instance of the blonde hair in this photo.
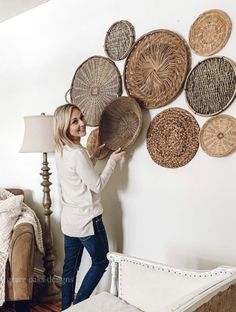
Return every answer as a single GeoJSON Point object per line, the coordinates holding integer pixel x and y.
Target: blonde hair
{"type": "Point", "coordinates": [61, 123]}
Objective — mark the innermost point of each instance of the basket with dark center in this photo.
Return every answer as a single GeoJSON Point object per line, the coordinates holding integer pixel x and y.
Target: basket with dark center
{"type": "Point", "coordinates": [119, 40]}
{"type": "Point", "coordinates": [210, 32]}
{"type": "Point", "coordinates": [96, 83]}
{"type": "Point", "coordinates": [172, 138]}
{"type": "Point", "coordinates": [156, 68]}
{"type": "Point", "coordinates": [120, 123]}
{"type": "Point", "coordinates": [93, 142]}
{"type": "Point", "coordinates": [218, 136]}
{"type": "Point", "coordinates": [211, 86]}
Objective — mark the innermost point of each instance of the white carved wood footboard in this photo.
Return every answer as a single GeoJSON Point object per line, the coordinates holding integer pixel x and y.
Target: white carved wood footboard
{"type": "Point", "coordinates": [154, 287]}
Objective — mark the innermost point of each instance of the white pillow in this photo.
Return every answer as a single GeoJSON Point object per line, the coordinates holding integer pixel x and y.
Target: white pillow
{"type": "Point", "coordinates": [10, 209]}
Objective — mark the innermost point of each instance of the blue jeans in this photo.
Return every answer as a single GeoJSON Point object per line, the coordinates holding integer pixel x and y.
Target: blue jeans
{"type": "Point", "coordinates": [97, 247]}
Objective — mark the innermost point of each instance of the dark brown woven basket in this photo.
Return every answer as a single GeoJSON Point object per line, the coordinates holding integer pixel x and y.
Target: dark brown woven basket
{"type": "Point", "coordinates": [211, 86]}
{"type": "Point", "coordinates": [119, 40]}
{"type": "Point", "coordinates": [156, 68]}
{"type": "Point", "coordinates": [95, 84]}
{"type": "Point", "coordinates": [120, 123]}
{"type": "Point", "coordinates": [218, 136]}
{"type": "Point", "coordinates": [210, 32]}
{"type": "Point", "coordinates": [172, 138]}
{"type": "Point", "coordinates": [94, 141]}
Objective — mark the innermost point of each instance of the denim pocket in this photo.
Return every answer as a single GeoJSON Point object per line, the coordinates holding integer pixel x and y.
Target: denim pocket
{"type": "Point", "coordinates": [85, 238]}
{"type": "Point", "coordinates": [98, 225]}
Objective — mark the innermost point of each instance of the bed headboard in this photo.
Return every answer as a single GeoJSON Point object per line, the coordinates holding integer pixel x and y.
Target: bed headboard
{"type": "Point", "coordinates": [15, 191]}
{"type": "Point", "coordinates": [155, 287]}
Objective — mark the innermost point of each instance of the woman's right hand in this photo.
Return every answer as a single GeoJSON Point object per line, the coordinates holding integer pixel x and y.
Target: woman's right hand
{"type": "Point", "coordinates": [117, 155]}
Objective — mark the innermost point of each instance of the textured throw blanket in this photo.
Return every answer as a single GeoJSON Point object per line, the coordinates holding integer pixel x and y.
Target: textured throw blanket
{"type": "Point", "coordinates": [12, 213]}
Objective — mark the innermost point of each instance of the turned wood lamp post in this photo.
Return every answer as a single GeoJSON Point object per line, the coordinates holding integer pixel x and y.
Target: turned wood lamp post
{"type": "Point", "coordinates": [38, 138]}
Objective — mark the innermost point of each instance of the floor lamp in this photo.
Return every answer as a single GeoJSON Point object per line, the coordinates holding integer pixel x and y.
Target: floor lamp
{"type": "Point", "coordinates": [38, 138]}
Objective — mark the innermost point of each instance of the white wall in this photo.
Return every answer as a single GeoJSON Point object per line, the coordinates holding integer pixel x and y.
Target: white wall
{"type": "Point", "coordinates": [182, 217]}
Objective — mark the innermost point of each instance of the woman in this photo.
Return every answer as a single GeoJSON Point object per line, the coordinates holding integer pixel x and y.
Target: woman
{"type": "Point", "coordinates": [81, 218]}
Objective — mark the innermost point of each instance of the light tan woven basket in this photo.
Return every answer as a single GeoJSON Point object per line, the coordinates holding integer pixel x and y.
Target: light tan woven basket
{"type": "Point", "coordinates": [156, 68]}
{"type": "Point", "coordinates": [218, 136]}
{"type": "Point", "coordinates": [95, 84]}
{"type": "Point", "coordinates": [119, 40]}
{"type": "Point", "coordinates": [120, 123]}
{"type": "Point", "coordinates": [210, 32]}
{"type": "Point", "coordinates": [172, 138]}
{"type": "Point", "coordinates": [93, 142]}
{"type": "Point", "coordinates": [211, 86]}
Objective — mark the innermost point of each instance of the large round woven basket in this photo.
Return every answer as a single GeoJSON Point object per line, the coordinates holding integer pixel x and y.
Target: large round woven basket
{"type": "Point", "coordinates": [156, 68]}
{"type": "Point", "coordinates": [120, 123]}
{"type": "Point", "coordinates": [93, 142]}
{"type": "Point", "coordinates": [95, 84]}
{"type": "Point", "coordinates": [211, 86]}
{"type": "Point", "coordinates": [210, 32]}
{"type": "Point", "coordinates": [172, 138]}
{"type": "Point", "coordinates": [218, 136]}
{"type": "Point", "coordinates": [119, 40]}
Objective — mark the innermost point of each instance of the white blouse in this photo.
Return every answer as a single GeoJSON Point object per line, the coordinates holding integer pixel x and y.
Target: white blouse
{"type": "Point", "coordinates": [80, 190]}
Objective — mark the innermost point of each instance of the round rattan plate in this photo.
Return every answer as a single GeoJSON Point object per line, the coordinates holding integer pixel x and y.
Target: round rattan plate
{"type": "Point", "coordinates": [120, 123]}
{"type": "Point", "coordinates": [119, 40]}
{"type": "Point", "coordinates": [93, 142]}
{"type": "Point", "coordinates": [172, 138]}
{"type": "Point", "coordinates": [210, 32]}
{"type": "Point", "coordinates": [156, 68]}
{"type": "Point", "coordinates": [218, 136]}
{"type": "Point", "coordinates": [96, 83]}
{"type": "Point", "coordinates": [211, 86]}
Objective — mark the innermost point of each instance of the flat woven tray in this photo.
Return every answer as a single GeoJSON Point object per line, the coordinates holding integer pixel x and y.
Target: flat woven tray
{"type": "Point", "coordinates": [94, 141]}
{"type": "Point", "coordinates": [156, 68]}
{"type": "Point", "coordinates": [95, 84]}
{"type": "Point", "coordinates": [211, 86]}
{"type": "Point", "coordinates": [210, 32]}
{"type": "Point", "coordinates": [119, 40]}
{"type": "Point", "coordinates": [120, 123]}
{"type": "Point", "coordinates": [172, 138]}
{"type": "Point", "coordinates": [218, 136]}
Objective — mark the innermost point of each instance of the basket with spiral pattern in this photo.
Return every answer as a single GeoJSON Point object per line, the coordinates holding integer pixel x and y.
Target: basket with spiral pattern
{"type": "Point", "coordinates": [119, 40]}
{"type": "Point", "coordinates": [120, 123]}
{"type": "Point", "coordinates": [95, 84]}
{"type": "Point", "coordinates": [172, 138]}
{"type": "Point", "coordinates": [218, 136]}
{"type": "Point", "coordinates": [210, 32]}
{"type": "Point", "coordinates": [156, 68]}
{"type": "Point", "coordinates": [93, 142]}
{"type": "Point", "coordinates": [211, 86]}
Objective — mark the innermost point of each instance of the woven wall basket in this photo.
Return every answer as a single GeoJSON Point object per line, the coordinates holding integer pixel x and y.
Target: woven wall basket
{"type": "Point", "coordinates": [218, 136]}
{"type": "Point", "coordinates": [210, 32]}
{"type": "Point", "coordinates": [119, 40]}
{"type": "Point", "coordinates": [120, 123]}
{"type": "Point", "coordinates": [156, 68]}
{"type": "Point", "coordinates": [211, 86]}
{"type": "Point", "coordinates": [172, 138]}
{"type": "Point", "coordinates": [96, 83]}
{"type": "Point", "coordinates": [94, 141]}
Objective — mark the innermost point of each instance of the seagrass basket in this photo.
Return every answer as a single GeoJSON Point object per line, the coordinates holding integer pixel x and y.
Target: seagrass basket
{"type": "Point", "coordinates": [119, 40]}
{"type": "Point", "coordinates": [120, 123]}
{"type": "Point", "coordinates": [156, 68]}
{"type": "Point", "coordinates": [95, 84]}
{"type": "Point", "coordinates": [210, 32]}
{"type": "Point", "coordinates": [93, 142]}
{"type": "Point", "coordinates": [218, 136]}
{"type": "Point", "coordinates": [172, 138]}
{"type": "Point", "coordinates": [211, 86]}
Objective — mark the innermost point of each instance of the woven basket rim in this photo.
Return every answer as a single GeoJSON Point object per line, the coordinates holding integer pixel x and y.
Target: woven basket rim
{"type": "Point", "coordinates": [132, 42]}
{"type": "Point", "coordinates": [187, 69]}
{"type": "Point", "coordinates": [78, 68]}
{"type": "Point", "coordinates": [229, 24]}
{"type": "Point", "coordinates": [140, 117]}
{"type": "Point", "coordinates": [224, 116]}
{"type": "Point", "coordinates": [190, 72]}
